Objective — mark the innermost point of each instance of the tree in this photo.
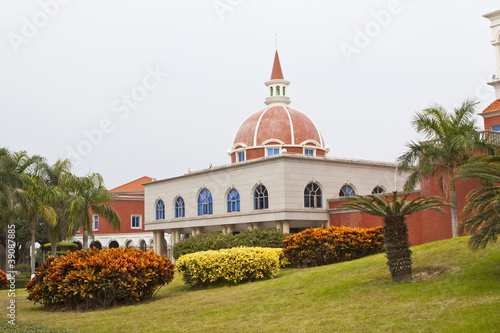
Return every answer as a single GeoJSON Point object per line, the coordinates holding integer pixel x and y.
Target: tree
{"type": "Point", "coordinates": [482, 210]}
{"type": "Point", "coordinates": [393, 211]}
{"type": "Point", "coordinates": [450, 139]}
{"type": "Point", "coordinates": [88, 194]}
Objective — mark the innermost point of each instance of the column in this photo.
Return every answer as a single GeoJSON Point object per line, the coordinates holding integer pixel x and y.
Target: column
{"type": "Point", "coordinates": [229, 229]}
{"type": "Point", "coordinates": [279, 226]}
{"type": "Point", "coordinates": [286, 227]}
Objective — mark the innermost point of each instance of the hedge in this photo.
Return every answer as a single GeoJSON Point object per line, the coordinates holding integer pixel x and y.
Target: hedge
{"type": "Point", "coordinates": [323, 246]}
{"type": "Point", "coordinates": [231, 266]}
{"type": "Point", "coordinates": [94, 278]}
{"type": "Point", "coordinates": [216, 241]}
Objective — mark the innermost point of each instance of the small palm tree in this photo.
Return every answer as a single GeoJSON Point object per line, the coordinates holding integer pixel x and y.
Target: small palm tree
{"type": "Point", "coordinates": [450, 139]}
{"type": "Point", "coordinates": [88, 194]}
{"type": "Point", "coordinates": [482, 210]}
{"type": "Point", "coordinates": [393, 210]}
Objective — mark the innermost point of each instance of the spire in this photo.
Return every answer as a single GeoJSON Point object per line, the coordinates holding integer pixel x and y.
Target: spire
{"type": "Point", "coordinates": [277, 74]}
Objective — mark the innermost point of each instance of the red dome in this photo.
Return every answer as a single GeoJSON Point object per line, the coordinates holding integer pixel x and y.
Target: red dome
{"type": "Point", "coordinates": [281, 126]}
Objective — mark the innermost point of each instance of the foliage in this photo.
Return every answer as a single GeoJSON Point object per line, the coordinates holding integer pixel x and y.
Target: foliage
{"type": "Point", "coordinates": [23, 268]}
{"type": "Point", "coordinates": [482, 211]}
{"type": "Point", "coordinates": [323, 246]}
{"type": "Point", "coordinates": [3, 280]}
{"type": "Point", "coordinates": [235, 265]}
{"type": "Point", "coordinates": [217, 241]}
{"type": "Point", "coordinates": [450, 139]}
{"type": "Point", "coordinates": [63, 246]}
{"type": "Point", "coordinates": [393, 210]}
{"type": "Point", "coordinates": [93, 279]}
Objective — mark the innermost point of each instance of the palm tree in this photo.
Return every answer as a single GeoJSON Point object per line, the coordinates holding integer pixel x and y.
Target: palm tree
{"type": "Point", "coordinates": [88, 194]}
{"type": "Point", "coordinates": [482, 210]}
{"type": "Point", "coordinates": [450, 139]}
{"type": "Point", "coordinates": [393, 211]}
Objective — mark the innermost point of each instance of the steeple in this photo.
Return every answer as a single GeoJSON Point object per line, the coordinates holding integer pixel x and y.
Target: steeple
{"type": "Point", "coordinates": [277, 85]}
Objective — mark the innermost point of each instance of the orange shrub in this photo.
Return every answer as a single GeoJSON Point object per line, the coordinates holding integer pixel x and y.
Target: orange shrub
{"type": "Point", "coordinates": [3, 280]}
{"type": "Point", "coordinates": [323, 246]}
{"type": "Point", "coordinates": [99, 278]}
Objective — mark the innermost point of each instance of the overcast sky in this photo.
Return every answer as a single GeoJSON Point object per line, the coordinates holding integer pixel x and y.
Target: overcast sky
{"type": "Point", "coordinates": [133, 88]}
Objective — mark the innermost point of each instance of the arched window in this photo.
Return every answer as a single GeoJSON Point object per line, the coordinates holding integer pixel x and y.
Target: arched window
{"type": "Point", "coordinates": [378, 190]}
{"type": "Point", "coordinates": [205, 203]}
{"type": "Point", "coordinates": [347, 191]}
{"type": "Point", "coordinates": [284, 91]}
{"type": "Point", "coordinates": [179, 208]}
{"type": "Point", "coordinates": [233, 201]}
{"type": "Point", "coordinates": [271, 91]}
{"type": "Point", "coordinates": [312, 196]}
{"type": "Point", "coordinates": [277, 90]}
{"type": "Point", "coordinates": [260, 198]}
{"type": "Point", "coordinates": [160, 210]}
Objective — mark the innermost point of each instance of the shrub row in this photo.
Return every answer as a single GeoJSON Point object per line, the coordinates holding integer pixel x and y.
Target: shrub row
{"type": "Point", "coordinates": [3, 280]}
{"type": "Point", "coordinates": [93, 278]}
{"type": "Point", "coordinates": [235, 265]}
{"type": "Point", "coordinates": [216, 241]}
{"type": "Point", "coordinates": [323, 246]}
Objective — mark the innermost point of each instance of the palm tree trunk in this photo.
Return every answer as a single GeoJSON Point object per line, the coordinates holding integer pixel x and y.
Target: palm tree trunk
{"type": "Point", "coordinates": [85, 239]}
{"type": "Point", "coordinates": [33, 250]}
{"type": "Point", "coordinates": [454, 213]}
{"type": "Point", "coordinates": [53, 245]}
{"type": "Point", "coordinates": [397, 248]}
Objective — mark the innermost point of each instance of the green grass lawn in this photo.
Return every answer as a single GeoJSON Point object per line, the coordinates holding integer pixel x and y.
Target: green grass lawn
{"type": "Point", "coordinates": [458, 291]}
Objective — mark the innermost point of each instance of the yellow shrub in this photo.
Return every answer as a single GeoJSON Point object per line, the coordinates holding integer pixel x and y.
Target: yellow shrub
{"type": "Point", "coordinates": [234, 265]}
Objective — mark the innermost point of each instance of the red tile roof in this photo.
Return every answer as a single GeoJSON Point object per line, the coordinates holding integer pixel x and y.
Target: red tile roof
{"type": "Point", "coordinates": [133, 186]}
{"type": "Point", "coordinates": [495, 106]}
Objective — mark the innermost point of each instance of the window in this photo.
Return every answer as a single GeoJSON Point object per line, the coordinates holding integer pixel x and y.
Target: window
{"type": "Point", "coordinates": [378, 190]}
{"type": "Point", "coordinates": [271, 91]}
{"type": "Point", "coordinates": [95, 222]}
{"type": "Point", "coordinates": [233, 201]}
{"type": "Point", "coordinates": [160, 210]}
{"type": "Point", "coordinates": [495, 128]}
{"type": "Point", "coordinates": [205, 203]}
{"type": "Point", "coordinates": [136, 221]}
{"type": "Point", "coordinates": [260, 198]}
{"type": "Point", "coordinates": [241, 156]}
{"type": "Point", "coordinates": [347, 191]}
{"type": "Point", "coordinates": [312, 196]}
{"type": "Point", "coordinates": [284, 91]}
{"type": "Point", "coordinates": [179, 208]}
{"type": "Point", "coordinates": [273, 151]}
{"type": "Point", "coordinates": [277, 90]}
{"type": "Point", "coordinates": [308, 152]}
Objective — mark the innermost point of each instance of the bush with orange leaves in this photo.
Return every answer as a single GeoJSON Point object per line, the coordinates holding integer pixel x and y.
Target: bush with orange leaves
{"type": "Point", "coordinates": [323, 246]}
{"type": "Point", "coordinates": [91, 279]}
{"type": "Point", "coordinates": [3, 280]}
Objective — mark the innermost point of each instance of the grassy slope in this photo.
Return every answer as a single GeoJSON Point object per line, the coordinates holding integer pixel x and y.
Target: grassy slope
{"type": "Point", "coordinates": [351, 296]}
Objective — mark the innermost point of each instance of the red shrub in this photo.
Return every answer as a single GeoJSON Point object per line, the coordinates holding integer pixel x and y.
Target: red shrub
{"type": "Point", "coordinates": [323, 246]}
{"type": "Point", "coordinates": [3, 280]}
{"type": "Point", "coordinates": [99, 279]}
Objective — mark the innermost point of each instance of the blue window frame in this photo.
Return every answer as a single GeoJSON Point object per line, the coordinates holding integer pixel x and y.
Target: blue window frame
{"type": "Point", "coordinates": [260, 198]}
{"type": "Point", "coordinates": [136, 221]}
{"type": "Point", "coordinates": [312, 196]}
{"type": "Point", "coordinates": [308, 152]}
{"type": "Point", "coordinates": [495, 128]}
{"type": "Point", "coordinates": [347, 191]}
{"type": "Point", "coordinates": [241, 156]}
{"type": "Point", "coordinates": [233, 201]}
{"type": "Point", "coordinates": [95, 222]}
{"type": "Point", "coordinates": [160, 210]}
{"type": "Point", "coordinates": [205, 203]}
{"type": "Point", "coordinates": [273, 151]}
{"type": "Point", "coordinates": [180, 210]}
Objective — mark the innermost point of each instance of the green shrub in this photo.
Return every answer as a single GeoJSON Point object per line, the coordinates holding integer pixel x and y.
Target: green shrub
{"type": "Point", "coordinates": [323, 246]}
{"type": "Point", "coordinates": [216, 241]}
{"type": "Point", "coordinates": [235, 265]}
{"type": "Point", "coordinates": [23, 268]}
{"type": "Point", "coordinates": [3, 280]}
{"type": "Point", "coordinates": [61, 246]}
{"type": "Point", "coordinates": [94, 278]}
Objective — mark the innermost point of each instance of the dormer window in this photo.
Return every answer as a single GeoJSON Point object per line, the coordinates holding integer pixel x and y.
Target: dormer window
{"type": "Point", "coordinates": [273, 151]}
{"type": "Point", "coordinates": [308, 152]}
{"type": "Point", "coordinates": [241, 156]}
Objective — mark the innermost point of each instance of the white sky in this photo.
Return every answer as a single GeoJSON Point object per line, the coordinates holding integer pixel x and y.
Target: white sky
{"type": "Point", "coordinates": [72, 72]}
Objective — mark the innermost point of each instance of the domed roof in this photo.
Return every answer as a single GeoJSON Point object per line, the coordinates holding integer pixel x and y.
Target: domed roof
{"type": "Point", "coordinates": [278, 124]}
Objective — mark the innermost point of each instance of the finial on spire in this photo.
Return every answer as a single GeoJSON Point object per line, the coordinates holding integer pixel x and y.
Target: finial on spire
{"type": "Point", "coordinates": [276, 40]}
